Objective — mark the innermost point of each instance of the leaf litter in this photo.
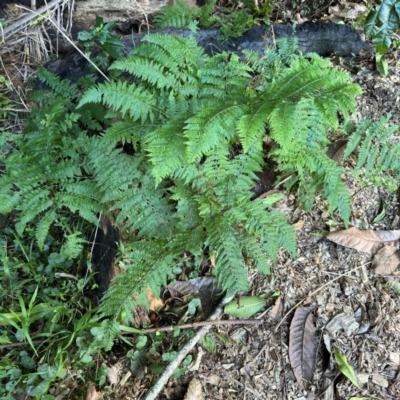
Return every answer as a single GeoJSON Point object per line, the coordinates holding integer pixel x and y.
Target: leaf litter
{"type": "Point", "coordinates": [368, 241]}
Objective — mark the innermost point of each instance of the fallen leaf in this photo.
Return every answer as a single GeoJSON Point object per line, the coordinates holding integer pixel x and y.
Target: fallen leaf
{"type": "Point", "coordinates": [113, 373]}
{"type": "Point", "coordinates": [195, 390]}
{"type": "Point", "coordinates": [367, 241]}
{"type": "Point", "coordinates": [138, 364]}
{"type": "Point", "coordinates": [276, 310]}
{"type": "Point", "coordinates": [303, 346]}
{"type": "Point", "coordinates": [345, 367]}
{"type": "Point", "coordinates": [205, 288]}
{"type": "Point", "coordinates": [342, 321]}
{"type": "Point", "coordinates": [386, 260]}
{"type": "Point", "coordinates": [212, 380]}
{"type": "Point", "coordinates": [336, 150]}
{"type": "Point", "coordinates": [395, 286]}
{"type": "Point", "coordinates": [298, 226]}
{"type": "Point", "coordinates": [245, 307]}
{"type": "Point", "coordinates": [196, 365]}
{"type": "Point", "coordinates": [155, 303]}
{"type": "Point", "coordinates": [208, 344]}
{"type": "Point", "coordinates": [93, 394]}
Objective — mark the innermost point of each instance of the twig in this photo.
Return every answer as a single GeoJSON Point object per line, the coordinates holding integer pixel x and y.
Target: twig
{"type": "Point", "coordinates": [162, 380]}
{"type": "Point", "coordinates": [170, 328]}
{"type": "Point", "coordinates": [318, 290]}
{"type": "Point", "coordinates": [20, 344]}
{"type": "Point", "coordinates": [15, 110]}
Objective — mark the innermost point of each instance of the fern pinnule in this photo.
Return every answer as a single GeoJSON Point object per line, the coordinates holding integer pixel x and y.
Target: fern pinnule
{"type": "Point", "coordinates": [146, 264]}
{"type": "Point", "coordinates": [43, 227]}
{"type": "Point", "coordinates": [166, 147]}
{"type": "Point", "coordinates": [124, 98]}
{"type": "Point", "coordinates": [177, 15]}
{"type": "Point", "coordinates": [229, 262]}
{"type": "Point", "coordinates": [209, 128]}
{"type": "Point", "coordinates": [356, 137]}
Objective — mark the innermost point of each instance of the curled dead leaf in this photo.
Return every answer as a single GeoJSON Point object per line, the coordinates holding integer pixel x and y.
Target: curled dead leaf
{"type": "Point", "coordinates": [386, 260]}
{"type": "Point", "coordinates": [155, 303]}
{"type": "Point", "coordinates": [195, 390]}
{"type": "Point", "coordinates": [114, 373]}
{"type": "Point", "coordinates": [342, 321]}
{"type": "Point", "coordinates": [367, 241]}
{"type": "Point", "coordinates": [336, 150]}
{"type": "Point", "coordinates": [303, 346]}
{"type": "Point", "coordinates": [276, 310]}
{"type": "Point", "coordinates": [93, 394]}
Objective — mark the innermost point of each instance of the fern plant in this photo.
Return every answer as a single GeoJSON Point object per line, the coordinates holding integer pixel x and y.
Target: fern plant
{"type": "Point", "coordinates": [195, 126]}
{"type": "Point", "coordinates": [378, 152]}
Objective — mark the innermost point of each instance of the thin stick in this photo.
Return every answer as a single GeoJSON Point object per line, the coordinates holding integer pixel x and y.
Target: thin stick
{"type": "Point", "coordinates": [318, 290]}
{"type": "Point", "coordinates": [163, 378]}
{"type": "Point", "coordinates": [20, 344]}
{"type": "Point", "coordinates": [170, 328]}
{"type": "Point", "coordinates": [15, 110]}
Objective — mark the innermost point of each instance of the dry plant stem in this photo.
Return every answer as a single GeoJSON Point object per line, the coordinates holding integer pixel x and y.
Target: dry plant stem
{"type": "Point", "coordinates": [72, 43]}
{"type": "Point", "coordinates": [94, 242]}
{"type": "Point", "coordinates": [15, 110]}
{"type": "Point", "coordinates": [24, 22]}
{"type": "Point", "coordinates": [162, 380]}
{"type": "Point", "coordinates": [21, 344]}
{"type": "Point", "coordinates": [205, 323]}
{"type": "Point", "coordinates": [318, 290]}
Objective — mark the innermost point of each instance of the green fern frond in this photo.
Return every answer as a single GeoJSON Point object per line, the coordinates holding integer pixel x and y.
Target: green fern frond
{"type": "Point", "coordinates": [229, 261]}
{"type": "Point", "coordinates": [166, 147]}
{"type": "Point", "coordinates": [122, 97]}
{"type": "Point", "coordinates": [210, 127]}
{"type": "Point", "coordinates": [165, 62]}
{"type": "Point", "coordinates": [147, 264]}
{"type": "Point", "coordinates": [376, 151]}
{"type": "Point", "coordinates": [73, 246]}
{"type": "Point", "coordinates": [178, 15]}
{"type": "Point", "coordinates": [43, 226]}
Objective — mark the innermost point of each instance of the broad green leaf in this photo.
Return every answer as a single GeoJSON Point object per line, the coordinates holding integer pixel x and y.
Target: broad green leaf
{"type": "Point", "coordinates": [142, 340]}
{"type": "Point", "coordinates": [381, 64]}
{"type": "Point", "coordinates": [345, 367]}
{"type": "Point", "coordinates": [208, 344]}
{"type": "Point", "coordinates": [382, 23]}
{"type": "Point", "coordinates": [245, 307]}
{"type": "Point", "coordinates": [169, 356]}
{"type": "Point", "coordinates": [360, 398]}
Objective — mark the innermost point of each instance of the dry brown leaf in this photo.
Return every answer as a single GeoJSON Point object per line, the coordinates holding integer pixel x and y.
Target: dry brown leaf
{"type": "Point", "coordinates": [93, 394]}
{"type": "Point", "coordinates": [336, 150]}
{"type": "Point", "coordinates": [205, 288]}
{"type": "Point", "coordinates": [195, 390]}
{"type": "Point", "coordinates": [155, 304]}
{"type": "Point", "coordinates": [386, 260]}
{"type": "Point", "coordinates": [114, 373]}
{"type": "Point", "coordinates": [196, 365]}
{"type": "Point", "coordinates": [367, 241]}
{"type": "Point", "coordinates": [303, 346]}
{"type": "Point", "coordinates": [276, 310]}
{"type": "Point", "coordinates": [342, 321]}
{"type": "Point", "coordinates": [298, 226]}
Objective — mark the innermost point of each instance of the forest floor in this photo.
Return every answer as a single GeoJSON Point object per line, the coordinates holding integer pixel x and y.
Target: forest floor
{"type": "Point", "coordinates": [253, 362]}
